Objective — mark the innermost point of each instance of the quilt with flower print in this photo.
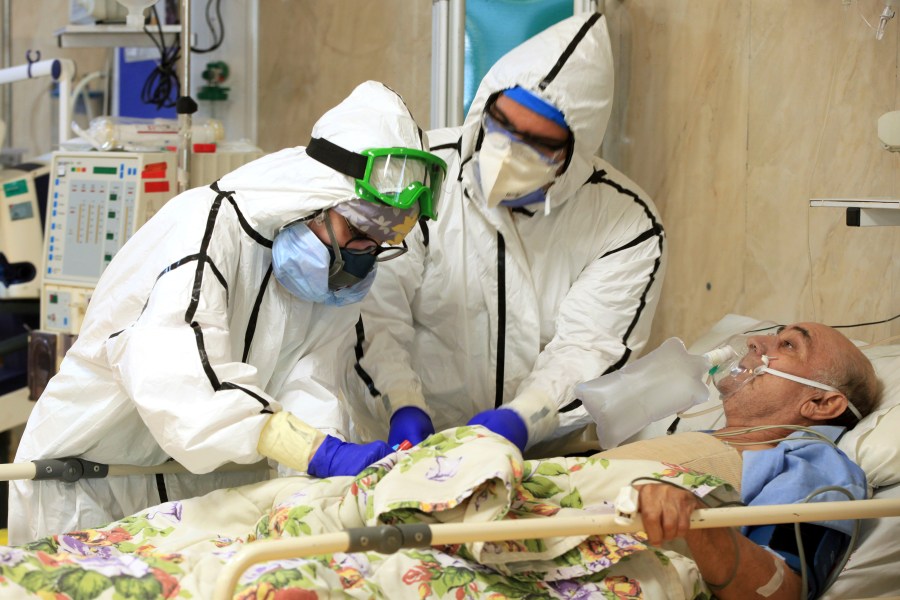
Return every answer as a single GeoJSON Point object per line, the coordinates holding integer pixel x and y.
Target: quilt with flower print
{"type": "Point", "coordinates": [467, 474]}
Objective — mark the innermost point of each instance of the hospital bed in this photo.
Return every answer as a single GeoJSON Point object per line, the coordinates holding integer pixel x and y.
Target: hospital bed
{"type": "Point", "coordinates": [871, 570]}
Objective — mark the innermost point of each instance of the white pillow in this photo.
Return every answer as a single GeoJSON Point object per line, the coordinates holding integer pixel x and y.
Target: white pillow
{"type": "Point", "coordinates": [873, 444]}
{"type": "Point", "coordinates": [872, 569]}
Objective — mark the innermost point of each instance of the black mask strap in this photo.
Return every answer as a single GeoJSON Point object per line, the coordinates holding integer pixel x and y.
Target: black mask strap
{"type": "Point", "coordinates": [341, 160]}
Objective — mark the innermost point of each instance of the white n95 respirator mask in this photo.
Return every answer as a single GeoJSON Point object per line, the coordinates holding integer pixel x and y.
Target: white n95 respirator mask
{"type": "Point", "coordinates": [508, 169]}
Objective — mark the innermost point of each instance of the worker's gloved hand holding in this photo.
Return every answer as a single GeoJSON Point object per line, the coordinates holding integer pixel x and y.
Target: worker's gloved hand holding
{"type": "Point", "coordinates": [335, 457]}
{"type": "Point", "coordinates": [409, 423]}
{"type": "Point", "coordinates": [505, 422]}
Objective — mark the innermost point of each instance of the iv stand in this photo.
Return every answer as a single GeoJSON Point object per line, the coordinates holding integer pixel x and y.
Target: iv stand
{"type": "Point", "coordinates": [185, 105]}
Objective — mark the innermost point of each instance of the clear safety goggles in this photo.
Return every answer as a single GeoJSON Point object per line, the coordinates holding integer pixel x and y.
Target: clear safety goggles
{"type": "Point", "coordinates": [739, 364]}
{"type": "Point", "coordinates": [398, 177]}
{"type": "Point", "coordinates": [551, 151]}
{"type": "Point", "coordinates": [402, 177]}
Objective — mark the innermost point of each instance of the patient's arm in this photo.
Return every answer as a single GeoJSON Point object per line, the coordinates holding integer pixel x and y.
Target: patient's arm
{"type": "Point", "coordinates": [666, 513]}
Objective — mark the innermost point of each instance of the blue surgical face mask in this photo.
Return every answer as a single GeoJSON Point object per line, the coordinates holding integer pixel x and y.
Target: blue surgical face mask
{"type": "Point", "coordinates": [301, 263]}
{"type": "Point", "coordinates": [533, 198]}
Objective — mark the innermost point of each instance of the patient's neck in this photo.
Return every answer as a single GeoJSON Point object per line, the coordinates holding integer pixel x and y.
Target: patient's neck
{"type": "Point", "coordinates": [743, 438]}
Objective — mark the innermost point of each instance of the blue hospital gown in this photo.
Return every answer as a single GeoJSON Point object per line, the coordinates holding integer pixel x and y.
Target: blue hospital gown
{"type": "Point", "coordinates": [787, 474]}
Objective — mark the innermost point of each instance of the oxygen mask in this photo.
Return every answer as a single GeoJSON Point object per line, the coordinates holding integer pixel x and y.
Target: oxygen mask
{"type": "Point", "coordinates": [735, 366]}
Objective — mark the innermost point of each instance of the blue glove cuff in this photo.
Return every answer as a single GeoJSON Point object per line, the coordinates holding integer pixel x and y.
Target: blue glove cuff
{"type": "Point", "coordinates": [320, 465]}
{"type": "Point", "coordinates": [505, 422]}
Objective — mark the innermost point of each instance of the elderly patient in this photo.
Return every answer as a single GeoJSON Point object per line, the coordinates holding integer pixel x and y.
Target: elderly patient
{"type": "Point", "coordinates": [815, 379]}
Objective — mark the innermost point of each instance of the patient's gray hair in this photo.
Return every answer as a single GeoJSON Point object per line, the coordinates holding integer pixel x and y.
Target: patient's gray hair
{"type": "Point", "coordinates": [855, 377]}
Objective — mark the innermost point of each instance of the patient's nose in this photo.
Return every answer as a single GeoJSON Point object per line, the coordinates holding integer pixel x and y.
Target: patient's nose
{"type": "Point", "coordinates": [757, 344]}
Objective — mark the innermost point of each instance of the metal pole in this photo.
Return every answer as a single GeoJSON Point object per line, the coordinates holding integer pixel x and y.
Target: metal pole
{"type": "Point", "coordinates": [6, 61]}
{"type": "Point", "coordinates": [185, 119]}
{"type": "Point", "coordinates": [439, 32]}
{"type": "Point", "coordinates": [457, 60]}
{"type": "Point", "coordinates": [30, 470]}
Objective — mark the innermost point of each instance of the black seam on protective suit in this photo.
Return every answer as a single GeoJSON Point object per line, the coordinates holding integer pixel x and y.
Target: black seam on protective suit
{"type": "Point", "coordinates": [653, 231]}
{"type": "Point", "coordinates": [204, 245]}
{"type": "Point", "coordinates": [161, 488]}
{"type": "Point", "coordinates": [227, 385]}
{"type": "Point", "coordinates": [656, 230]}
{"type": "Point", "coordinates": [569, 50]}
{"type": "Point", "coordinates": [523, 211]}
{"type": "Point", "coordinates": [360, 371]}
{"type": "Point", "coordinates": [457, 145]}
{"type": "Point", "coordinates": [257, 237]}
{"type": "Point", "coordinates": [461, 165]}
{"type": "Point", "coordinates": [501, 318]}
{"type": "Point", "coordinates": [190, 258]}
{"type": "Point", "coordinates": [254, 314]}
{"type": "Point", "coordinates": [180, 263]}
{"type": "Point", "coordinates": [204, 357]}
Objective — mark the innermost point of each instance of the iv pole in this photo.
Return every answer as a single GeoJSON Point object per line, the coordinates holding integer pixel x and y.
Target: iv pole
{"type": "Point", "coordinates": [185, 105]}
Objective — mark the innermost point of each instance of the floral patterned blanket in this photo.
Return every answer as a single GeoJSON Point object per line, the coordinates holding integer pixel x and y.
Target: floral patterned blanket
{"type": "Point", "coordinates": [177, 549]}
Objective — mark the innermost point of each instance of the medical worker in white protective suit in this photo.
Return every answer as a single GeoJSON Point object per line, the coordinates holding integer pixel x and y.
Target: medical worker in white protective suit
{"type": "Point", "coordinates": [543, 271]}
{"type": "Point", "coordinates": [196, 326]}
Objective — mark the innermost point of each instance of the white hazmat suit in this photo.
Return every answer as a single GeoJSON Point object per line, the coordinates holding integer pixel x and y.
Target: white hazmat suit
{"type": "Point", "coordinates": [189, 340]}
{"type": "Point", "coordinates": [496, 307]}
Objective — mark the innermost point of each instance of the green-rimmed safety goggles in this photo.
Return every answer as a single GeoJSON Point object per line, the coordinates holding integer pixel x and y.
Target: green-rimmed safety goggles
{"type": "Point", "coordinates": [398, 177]}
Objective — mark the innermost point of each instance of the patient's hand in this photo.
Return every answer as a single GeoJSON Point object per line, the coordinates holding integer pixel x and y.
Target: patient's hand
{"type": "Point", "coordinates": [734, 567]}
{"type": "Point", "coordinates": [665, 511]}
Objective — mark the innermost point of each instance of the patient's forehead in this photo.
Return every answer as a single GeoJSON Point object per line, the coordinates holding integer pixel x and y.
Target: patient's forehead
{"type": "Point", "coordinates": [825, 343]}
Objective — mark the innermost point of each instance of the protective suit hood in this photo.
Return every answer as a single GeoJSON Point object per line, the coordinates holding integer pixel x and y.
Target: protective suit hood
{"type": "Point", "coordinates": [569, 65]}
{"type": "Point", "coordinates": [288, 185]}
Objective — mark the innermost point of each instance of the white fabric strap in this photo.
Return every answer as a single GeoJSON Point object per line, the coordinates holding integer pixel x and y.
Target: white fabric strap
{"type": "Point", "coordinates": [814, 384]}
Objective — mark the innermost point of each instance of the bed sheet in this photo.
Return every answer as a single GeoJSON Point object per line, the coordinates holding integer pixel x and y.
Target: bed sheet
{"type": "Point", "coordinates": [177, 549]}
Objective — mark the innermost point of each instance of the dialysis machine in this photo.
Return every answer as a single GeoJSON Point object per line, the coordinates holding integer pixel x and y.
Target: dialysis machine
{"type": "Point", "coordinates": [95, 202]}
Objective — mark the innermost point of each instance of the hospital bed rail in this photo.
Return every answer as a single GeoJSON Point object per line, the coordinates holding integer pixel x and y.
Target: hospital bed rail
{"type": "Point", "coordinates": [72, 469]}
{"type": "Point", "coordinates": [388, 539]}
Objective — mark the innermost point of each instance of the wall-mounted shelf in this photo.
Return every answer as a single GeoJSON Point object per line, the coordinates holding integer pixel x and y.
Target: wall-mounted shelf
{"type": "Point", "coordinates": [865, 212]}
{"type": "Point", "coordinates": [119, 35]}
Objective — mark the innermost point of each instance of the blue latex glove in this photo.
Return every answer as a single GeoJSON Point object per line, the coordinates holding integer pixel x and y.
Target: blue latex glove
{"type": "Point", "coordinates": [409, 423]}
{"type": "Point", "coordinates": [335, 457]}
{"type": "Point", "coordinates": [505, 422]}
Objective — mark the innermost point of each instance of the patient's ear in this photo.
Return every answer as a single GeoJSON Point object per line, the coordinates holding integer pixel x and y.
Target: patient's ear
{"type": "Point", "coordinates": [824, 407]}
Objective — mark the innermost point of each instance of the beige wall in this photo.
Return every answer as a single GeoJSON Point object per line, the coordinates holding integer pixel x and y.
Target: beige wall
{"type": "Point", "coordinates": [732, 114]}
{"type": "Point", "coordinates": [313, 53]}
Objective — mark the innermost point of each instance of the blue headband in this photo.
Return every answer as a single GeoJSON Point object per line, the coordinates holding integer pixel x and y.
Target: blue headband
{"type": "Point", "coordinates": [534, 102]}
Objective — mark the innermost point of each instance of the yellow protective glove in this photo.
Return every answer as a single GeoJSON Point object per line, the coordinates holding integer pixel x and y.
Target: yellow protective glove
{"type": "Point", "coordinates": [290, 441]}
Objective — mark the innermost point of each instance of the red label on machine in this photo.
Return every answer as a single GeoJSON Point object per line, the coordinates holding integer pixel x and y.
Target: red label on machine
{"type": "Point", "coordinates": [154, 187]}
{"type": "Point", "coordinates": [154, 171]}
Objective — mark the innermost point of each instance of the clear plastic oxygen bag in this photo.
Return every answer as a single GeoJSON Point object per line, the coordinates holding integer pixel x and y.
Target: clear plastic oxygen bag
{"type": "Point", "coordinates": [661, 383]}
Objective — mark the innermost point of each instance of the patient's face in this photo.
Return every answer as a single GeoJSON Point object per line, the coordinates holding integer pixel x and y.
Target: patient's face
{"type": "Point", "coordinates": [803, 349]}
